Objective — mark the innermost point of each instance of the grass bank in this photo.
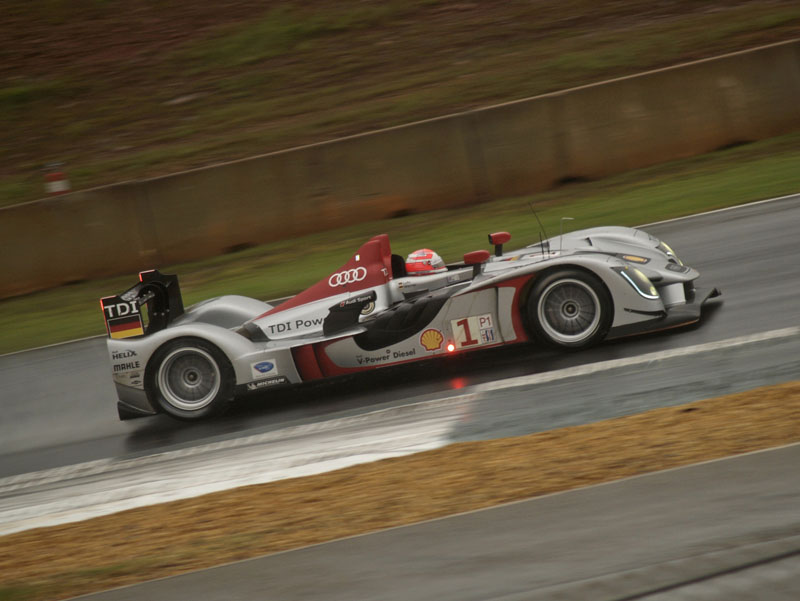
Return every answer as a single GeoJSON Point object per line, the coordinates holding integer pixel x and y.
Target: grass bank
{"type": "Point", "coordinates": [724, 178]}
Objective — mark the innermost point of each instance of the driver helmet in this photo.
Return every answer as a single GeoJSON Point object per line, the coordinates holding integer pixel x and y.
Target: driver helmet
{"type": "Point", "coordinates": [424, 262]}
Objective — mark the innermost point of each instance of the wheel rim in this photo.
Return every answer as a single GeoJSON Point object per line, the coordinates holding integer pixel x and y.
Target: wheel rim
{"type": "Point", "coordinates": [569, 311]}
{"type": "Point", "coordinates": [189, 379]}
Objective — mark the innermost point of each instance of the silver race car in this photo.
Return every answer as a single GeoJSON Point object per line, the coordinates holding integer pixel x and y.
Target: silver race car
{"type": "Point", "coordinates": [378, 309]}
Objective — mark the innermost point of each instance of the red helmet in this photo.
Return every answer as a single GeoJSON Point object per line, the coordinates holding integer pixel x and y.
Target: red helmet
{"type": "Point", "coordinates": [424, 262]}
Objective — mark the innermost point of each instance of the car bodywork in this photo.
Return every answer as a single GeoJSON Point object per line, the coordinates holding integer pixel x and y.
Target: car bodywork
{"type": "Point", "coordinates": [571, 291]}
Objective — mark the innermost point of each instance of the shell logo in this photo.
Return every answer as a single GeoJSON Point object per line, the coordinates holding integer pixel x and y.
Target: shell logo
{"type": "Point", "coordinates": [431, 339]}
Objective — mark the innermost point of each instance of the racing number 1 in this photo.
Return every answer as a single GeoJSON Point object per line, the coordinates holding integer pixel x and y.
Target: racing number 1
{"type": "Point", "coordinates": [469, 341]}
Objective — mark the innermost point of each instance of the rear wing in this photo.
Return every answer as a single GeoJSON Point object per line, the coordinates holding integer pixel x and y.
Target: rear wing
{"type": "Point", "coordinates": [149, 306]}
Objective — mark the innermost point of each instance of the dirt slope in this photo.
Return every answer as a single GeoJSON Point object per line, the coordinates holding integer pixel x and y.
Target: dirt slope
{"type": "Point", "coordinates": [146, 87]}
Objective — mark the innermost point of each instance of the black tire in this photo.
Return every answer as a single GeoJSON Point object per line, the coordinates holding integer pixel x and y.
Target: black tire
{"type": "Point", "coordinates": [569, 309]}
{"type": "Point", "coordinates": [190, 379]}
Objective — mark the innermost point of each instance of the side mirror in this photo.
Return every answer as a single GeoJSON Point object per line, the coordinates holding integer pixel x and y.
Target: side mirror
{"type": "Point", "coordinates": [476, 258]}
{"type": "Point", "coordinates": [498, 239]}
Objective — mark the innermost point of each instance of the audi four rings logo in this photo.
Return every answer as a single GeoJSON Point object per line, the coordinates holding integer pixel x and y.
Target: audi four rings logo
{"type": "Point", "coordinates": [350, 276]}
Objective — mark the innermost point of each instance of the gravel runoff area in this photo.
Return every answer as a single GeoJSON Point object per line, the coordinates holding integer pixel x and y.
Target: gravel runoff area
{"type": "Point", "coordinates": [167, 539]}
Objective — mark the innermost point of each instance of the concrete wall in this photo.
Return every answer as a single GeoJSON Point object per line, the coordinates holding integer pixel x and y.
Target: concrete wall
{"type": "Point", "coordinates": [506, 150]}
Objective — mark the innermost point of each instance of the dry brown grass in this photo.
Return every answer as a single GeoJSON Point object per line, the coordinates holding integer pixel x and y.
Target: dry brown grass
{"type": "Point", "coordinates": [162, 540]}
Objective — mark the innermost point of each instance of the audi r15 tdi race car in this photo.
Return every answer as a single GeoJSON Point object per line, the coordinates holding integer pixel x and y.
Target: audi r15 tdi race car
{"type": "Point", "coordinates": [571, 292]}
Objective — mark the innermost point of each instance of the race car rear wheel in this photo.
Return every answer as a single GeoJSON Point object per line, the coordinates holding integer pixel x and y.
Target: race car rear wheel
{"type": "Point", "coordinates": [190, 379]}
{"type": "Point", "coordinates": [569, 309]}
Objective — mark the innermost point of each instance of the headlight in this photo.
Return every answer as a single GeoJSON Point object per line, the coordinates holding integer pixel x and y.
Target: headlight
{"type": "Point", "coordinates": [640, 282]}
{"type": "Point", "coordinates": [635, 259]}
{"type": "Point", "coordinates": [665, 248]}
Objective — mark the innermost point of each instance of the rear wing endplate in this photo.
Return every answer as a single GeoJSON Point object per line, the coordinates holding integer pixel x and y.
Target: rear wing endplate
{"type": "Point", "coordinates": [145, 308]}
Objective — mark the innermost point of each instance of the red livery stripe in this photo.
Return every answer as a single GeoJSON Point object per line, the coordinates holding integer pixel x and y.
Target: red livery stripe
{"type": "Point", "coordinates": [373, 263]}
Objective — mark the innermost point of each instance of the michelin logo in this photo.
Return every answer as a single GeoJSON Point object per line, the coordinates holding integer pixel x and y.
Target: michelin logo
{"type": "Point", "coordinates": [263, 369]}
{"type": "Point", "coordinates": [268, 382]}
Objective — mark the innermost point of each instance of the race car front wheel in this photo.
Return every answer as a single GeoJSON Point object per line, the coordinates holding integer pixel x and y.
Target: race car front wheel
{"type": "Point", "coordinates": [190, 379]}
{"type": "Point", "coordinates": [569, 309]}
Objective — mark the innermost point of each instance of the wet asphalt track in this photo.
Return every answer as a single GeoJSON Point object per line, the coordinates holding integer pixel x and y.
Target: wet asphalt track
{"type": "Point", "coordinates": [727, 530]}
{"type": "Point", "coordinates": [724, 531]}
{"type": "Point", "coordinates": [58, 403]}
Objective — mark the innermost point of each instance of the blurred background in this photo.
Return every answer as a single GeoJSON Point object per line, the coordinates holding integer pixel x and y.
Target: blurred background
{"type": "Point", "coordinates": [101, 92]}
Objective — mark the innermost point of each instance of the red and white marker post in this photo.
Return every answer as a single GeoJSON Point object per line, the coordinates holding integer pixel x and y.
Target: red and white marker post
{"type": "Point", "coordinates": [55, 180]}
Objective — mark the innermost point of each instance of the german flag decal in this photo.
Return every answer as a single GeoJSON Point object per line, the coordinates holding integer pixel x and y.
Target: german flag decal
{"type": "Point", "coordinates": [123, 318]}
{"type": "Point", "coordinates": [125, 327]}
